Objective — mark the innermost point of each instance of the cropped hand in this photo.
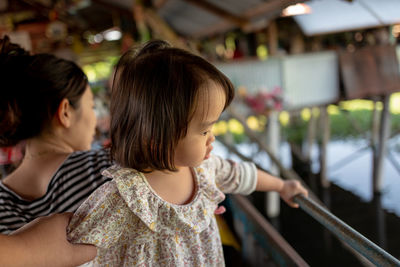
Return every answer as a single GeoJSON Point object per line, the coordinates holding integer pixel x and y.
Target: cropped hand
{"type": "Point", "coordinates": [45, 242]}
{"type": "Point", "coordinates": [290, 189]}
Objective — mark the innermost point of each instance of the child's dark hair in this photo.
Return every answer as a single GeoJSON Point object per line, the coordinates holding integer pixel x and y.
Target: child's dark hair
{"type": "Point", "coordinates": [32, 88]}
{"type": "Point", "coordinates": [153, 99]}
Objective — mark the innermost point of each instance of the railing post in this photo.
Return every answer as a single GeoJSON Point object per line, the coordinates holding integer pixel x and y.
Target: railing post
{"type": "Point", "coordinates": [272, 199]}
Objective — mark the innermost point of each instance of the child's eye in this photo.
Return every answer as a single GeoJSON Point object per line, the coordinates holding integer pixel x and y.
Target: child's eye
{"type": "Point", "coordinates": [205, 133]}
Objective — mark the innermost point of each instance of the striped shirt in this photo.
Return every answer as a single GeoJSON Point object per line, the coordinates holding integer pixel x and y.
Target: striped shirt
{"type": "Point", "coordinates": [73, 182]}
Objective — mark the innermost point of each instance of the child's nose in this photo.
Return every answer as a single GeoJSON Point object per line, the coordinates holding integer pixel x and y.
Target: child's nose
{"type": "Point", "coordinates": [211, 139]}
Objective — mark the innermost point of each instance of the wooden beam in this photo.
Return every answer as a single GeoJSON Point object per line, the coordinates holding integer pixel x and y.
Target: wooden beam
{"type": "Point", "coordinates": [215, 29]}
{"type": "Point", "coordinates": [246, 21]}
{"type": "Point", "coordinates": [160, 28]}
{"type": "Point", "coordinates": [159, 3]}
{"type": "Point", "coordinates": [237, 20]}
{"type": "Point", "coordinates": [109, 5]}
{"type": "Point", "coordinates": [164, 31]}
{"type": "Point", "coordinates": [272, 32]}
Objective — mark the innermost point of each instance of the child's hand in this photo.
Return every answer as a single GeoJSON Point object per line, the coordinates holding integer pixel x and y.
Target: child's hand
{"type": "Point", "coordinates": [290, 189]}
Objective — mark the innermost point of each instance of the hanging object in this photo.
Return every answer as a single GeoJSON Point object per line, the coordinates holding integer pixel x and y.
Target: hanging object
{"type": "Point", "coordinates": [56, 30]}
{"type": "Point", "coordinates": [265, 101]}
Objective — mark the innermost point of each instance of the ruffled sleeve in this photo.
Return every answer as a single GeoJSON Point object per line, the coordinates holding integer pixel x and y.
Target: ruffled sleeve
{"type": "Point", "coordinates": [100, 219]}
{"type": "Point", "coordinates": [232, 177]}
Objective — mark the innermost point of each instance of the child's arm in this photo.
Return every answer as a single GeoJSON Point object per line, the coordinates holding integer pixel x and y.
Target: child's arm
{"type": "Point", "coordinates": [244, 178]}
{"type": "Point", "coordinates": [43, 242]}
{"type": "Point", "coordinates": [286, 189]}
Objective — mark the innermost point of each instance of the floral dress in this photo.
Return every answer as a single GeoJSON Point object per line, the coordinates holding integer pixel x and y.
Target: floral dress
{"type": "Point", "coordinates": [132, 226]}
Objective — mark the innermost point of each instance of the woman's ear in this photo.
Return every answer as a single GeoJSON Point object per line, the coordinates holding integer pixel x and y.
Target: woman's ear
{"type": "Point", "coordinates": [64, 113]}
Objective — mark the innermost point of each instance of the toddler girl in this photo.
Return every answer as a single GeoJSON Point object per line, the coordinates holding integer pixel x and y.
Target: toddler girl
{"type": "Point", "coordinates": [158, 210]}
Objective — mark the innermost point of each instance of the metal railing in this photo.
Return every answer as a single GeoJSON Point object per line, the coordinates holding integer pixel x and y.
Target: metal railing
{"type": "Point", "coordinates": [344, 232]}
{"type": "Point", "coordinates": [316, 209]}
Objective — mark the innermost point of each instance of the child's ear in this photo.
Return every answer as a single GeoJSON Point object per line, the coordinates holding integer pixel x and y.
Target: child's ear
{"type": "Point", "coordinates": [64, 113]}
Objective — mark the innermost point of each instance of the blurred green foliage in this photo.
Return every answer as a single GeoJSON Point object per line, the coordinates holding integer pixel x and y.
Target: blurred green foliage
{"type": "Point", "coordinates": [344, 125]}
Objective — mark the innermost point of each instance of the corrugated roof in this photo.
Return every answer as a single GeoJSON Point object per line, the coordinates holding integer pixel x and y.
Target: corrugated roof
{"type": "Point", "coordinates": [187, 19]}
{"type": "Point", "coordinates": [329, 16]}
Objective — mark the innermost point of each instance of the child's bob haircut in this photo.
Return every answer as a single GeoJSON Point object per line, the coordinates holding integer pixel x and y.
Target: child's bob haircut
{"type": "Point", "coordinates": [154, 97]}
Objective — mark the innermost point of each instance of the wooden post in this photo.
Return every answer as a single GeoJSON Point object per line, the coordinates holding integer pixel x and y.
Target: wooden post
{"type": "Point", "coordinates": [138, 15]}
{"type": "Point", "coordinates": [272, 201]}
{"type": "Point", "coordinates": [297, 45]}
{"type": "Point", "coordinates": [163, 31]}
{"type": "Point", "coordinates": [311, 132]}
{"type": "Point", "coordinates": [380, 221]}
{"type": "Point", "coordinates": [272, 32]}
{"type": "Point", "coordinates": [374, 139]}
{"type": "Point", "coordinates": [325, 131]}
{"type": "Point", "coordinates": [381, 150]}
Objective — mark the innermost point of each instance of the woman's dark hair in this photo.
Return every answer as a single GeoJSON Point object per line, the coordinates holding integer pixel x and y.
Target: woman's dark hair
{"type": "Point", "coordinates": [32, 87]}
{"type": "Point", "coordinates": [154, 97]}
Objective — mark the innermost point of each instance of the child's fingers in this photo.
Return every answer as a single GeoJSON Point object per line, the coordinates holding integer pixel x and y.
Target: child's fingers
{"type": "Point", "coordinates": [292, 204]}
{"type": "Point", "coordinates": [303, 191]}
{"type": "Point", "coordinates": [299, 189]}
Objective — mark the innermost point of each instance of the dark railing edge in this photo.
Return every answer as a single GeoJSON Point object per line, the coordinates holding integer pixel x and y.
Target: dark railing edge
{"type": "Point", "coordinates": [285, 249]}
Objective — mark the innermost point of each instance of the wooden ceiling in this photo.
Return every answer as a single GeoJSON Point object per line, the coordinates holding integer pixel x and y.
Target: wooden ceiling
{"type": "Point", "coordinates": [194, 19]}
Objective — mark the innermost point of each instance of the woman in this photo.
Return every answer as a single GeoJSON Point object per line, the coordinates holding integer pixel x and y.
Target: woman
{"type": "Point", "coordinates": [47, 103]}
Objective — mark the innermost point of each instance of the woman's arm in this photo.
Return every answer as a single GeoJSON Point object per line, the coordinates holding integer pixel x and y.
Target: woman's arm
{"type": "Point", "coordinates": [43, 242]}
{"type": "Point", "coordinates": [287, 189]}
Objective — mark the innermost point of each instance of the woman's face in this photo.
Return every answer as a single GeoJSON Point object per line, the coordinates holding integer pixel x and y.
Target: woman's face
{"type": "Point", "coordinates": [84, 122]}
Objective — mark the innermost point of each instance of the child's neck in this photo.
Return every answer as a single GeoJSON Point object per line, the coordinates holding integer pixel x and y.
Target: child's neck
{"type": "Point", "coordinates": [174, 187]}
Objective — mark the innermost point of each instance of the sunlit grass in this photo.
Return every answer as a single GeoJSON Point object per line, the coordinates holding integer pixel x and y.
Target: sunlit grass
{"type": "Point", "coordinates": [358, 104]}
{"type": "Point", "coordinates": [363, 104]}
{"type": "Point", "coordinates": [341, 126]}
{"type": "Point", "coordinates": [333, 110]}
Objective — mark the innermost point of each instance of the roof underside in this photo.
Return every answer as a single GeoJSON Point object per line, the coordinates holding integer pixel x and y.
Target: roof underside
{"type": "Point", "coordinates": [188, 18]}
